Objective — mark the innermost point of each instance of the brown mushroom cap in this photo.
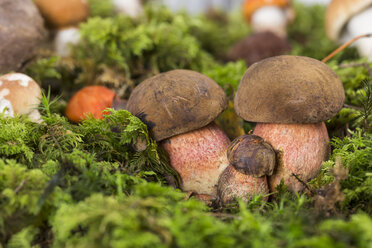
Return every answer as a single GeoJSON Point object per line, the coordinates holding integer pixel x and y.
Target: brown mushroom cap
{"type": "Point", "coordinates": [289, 89]}
{"type": "Point", "coordinates": [62, 13]}
{"type": "Point", "coordinates": [339, 12]}
{"type": "Point", "coordinates": [21, 33]}
{"type": "Point", "coordinates": [251, 155]}
{"type": "Point", "coordinates": [21, 91]}
{"type": "Point", "coordinates": [177, 102]}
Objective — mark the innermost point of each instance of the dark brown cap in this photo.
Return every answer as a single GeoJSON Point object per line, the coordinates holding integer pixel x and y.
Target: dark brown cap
{"type": "Point", "coordinates": [289, 89]}
{"type": "Point", "coordinates": [251, 155]}
{"type": "Point", "coordinates": [177, 102]}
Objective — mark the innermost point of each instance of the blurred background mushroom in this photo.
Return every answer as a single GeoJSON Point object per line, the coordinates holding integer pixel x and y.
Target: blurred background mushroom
{"type": "Point", "coordinates": [21, 33]}
{"type": "Point", "coordinates": [346, 19]}
{"type": "Point", "coordinates": [290, 97]}
{"type": "Point", "coordinates": [19, 95]}
{"type": "Point", "coordinates": [268, 20]}
{"type": "Point", "coordinates": [179, 108]}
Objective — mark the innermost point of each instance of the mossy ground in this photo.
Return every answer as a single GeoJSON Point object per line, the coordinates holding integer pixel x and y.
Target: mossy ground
{"type": "Point", "coordinates": [67, 185]}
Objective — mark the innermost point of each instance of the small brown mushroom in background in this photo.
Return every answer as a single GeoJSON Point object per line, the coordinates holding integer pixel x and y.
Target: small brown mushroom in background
{"type": "Point", "coordinates": [179, 107]}
{"type": "Point", "coordinates": [259, 46]}
{"type": "Point", "coordinates": [251, 159]}
{"type": "Point", "coordinates": [89, 100]}
{"type": "Point", "coordinates": [346, 19]}
{"type": "Point", "coordinates": [63, 13]}
{"type": "Point", "coordinates": [21, 33]}
{"type": "Point", "coordinates": [289, 97]}
{"type": "Point", "coordinates": [20, 95]}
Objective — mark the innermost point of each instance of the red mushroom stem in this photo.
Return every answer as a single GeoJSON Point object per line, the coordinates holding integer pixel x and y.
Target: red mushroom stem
{"type": "Point", "coordinates": [199, 157]}
{"type": "Point", "coordinates": [302, 149]}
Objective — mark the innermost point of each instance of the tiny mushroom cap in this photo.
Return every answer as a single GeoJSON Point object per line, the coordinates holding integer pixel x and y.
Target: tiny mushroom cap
{"type": "Point", "coordinates": [89, 100]}
{"type": "Point", "coordinates": [339, 13]}
{"type": "Point", "coordinates": [251, 155]}
{"type": "Point", "coordinates": [23, 94]}
{"type": "Point", "coordinates": [62, 13]}
{"type": "Point", "coordinates": [289, 89]}
{"type": "Point", "coordinates": [177, 102]}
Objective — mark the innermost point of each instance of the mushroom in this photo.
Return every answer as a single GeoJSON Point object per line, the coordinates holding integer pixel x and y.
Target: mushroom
{"type": "Point", "coordinates": [21, 33]}
{"type": "Point", "coordinates": [64, 39]}
{"type": "Point", "coordinates": [89, 100]}
{"type": "Point", "coordinates": [269, 15]}
{"type": "Point", "coordinates": [59, 14]}
{"type": "Point", "coordinates": [259, 46]}
{"type": "Point", "coordinates": [179, 107]}
{"type": "Point", "coordinates": [346, 19]}
{"type": "Point", "coordinates": [290, 97]}
{"type": "Point", "coordinates": [251, 159]}
{"type": "Point", "coordinates": [20, 95]}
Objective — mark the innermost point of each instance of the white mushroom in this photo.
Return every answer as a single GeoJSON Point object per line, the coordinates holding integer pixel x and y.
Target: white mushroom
{"type": "Point", "coordinates": [64, 39]}
{"type": "Point", "coordinates": [270, 18]}
{"type": "Point", "coordinates": [19, 94]}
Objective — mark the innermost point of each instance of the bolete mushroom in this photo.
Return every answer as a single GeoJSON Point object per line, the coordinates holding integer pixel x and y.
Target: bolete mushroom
{"type": "Point", "coordinates": [59, 14]}
{"type": "Point", "coordinates": [179, 107]}
{"type": "Point", "coordinates": [89, 100]}
{"type": "Point", "coordinates": [269, 15]}
{"type": "Point", "coordinates": [290, 97]}
{"type": "Point", "coordinates": [20, 95]}
{"type": "Point", "coordinates": [251, 159]}
{"type": "Point", "coordinates": [346, 19]}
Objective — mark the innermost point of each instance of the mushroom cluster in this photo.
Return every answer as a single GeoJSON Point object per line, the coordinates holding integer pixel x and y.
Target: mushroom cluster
{"type": "Point", "coordinates": [346, 19]}
{"type": "Point", "coordinates": [19, 94]}
{"type": "Point", "coordinates": [179, 107]}
{"type": "Point", "coordinates": [290, 97]}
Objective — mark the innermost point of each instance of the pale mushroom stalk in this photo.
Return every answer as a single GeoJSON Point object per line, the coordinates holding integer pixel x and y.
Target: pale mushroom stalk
{"type": "Point", "coordinates": [6, 108]}
{"type": "Point", "coordinates": [270, 18]}
{"type": "Point", "coordinates": [64, 39]}
{"type": "Point", "coordinates": [359, 25]}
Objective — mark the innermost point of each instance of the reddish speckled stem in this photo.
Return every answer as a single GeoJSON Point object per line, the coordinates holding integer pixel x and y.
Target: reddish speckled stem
{"type": "Point", "coordinates": [199, 157]}
{"type": "Point", "coordinates": [303, 148]}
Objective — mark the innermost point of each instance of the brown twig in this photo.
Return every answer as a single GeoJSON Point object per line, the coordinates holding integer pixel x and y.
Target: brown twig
{"type": "Point", "coordinates": [303, 183]}
{"type": "Point", "coordinates": [344, 46]}
{"type": "Point", "coordinates": [19, 187]}
{"type": "Point", "coordinates": [352, 107]}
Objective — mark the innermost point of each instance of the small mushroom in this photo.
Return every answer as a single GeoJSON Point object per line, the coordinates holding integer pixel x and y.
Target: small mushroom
{"type": "Point", "coordinates": [346, 19]}
{"type": "Point", "coordinates": [269, 15]}
{"type": "Point", "coordinates": [64, 39]}
{"type": "Point", "coordinates": [259, 46]}
{"type": "Point", "coordinates": [251, 159]}
{"type": "Point", "coordinates": [290, 97]}
{"type": "Point", "coordinates": [63, 13]}
{"type": "Point", "coordinates": [89, 100]}
{"type": "Point", "coordinates": [179, 107]}
{"type": "Point", "coordinates": [20, 95]}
